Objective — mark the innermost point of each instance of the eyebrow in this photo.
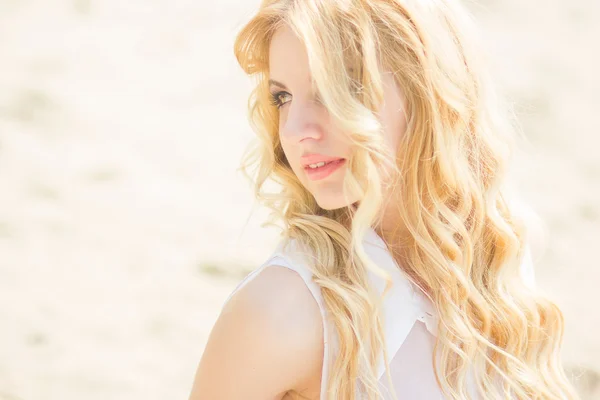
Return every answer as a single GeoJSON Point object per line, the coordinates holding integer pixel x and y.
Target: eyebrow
{"type": "Point", "coordinates": [276, 83]}
{"type": "Point", "coordinates": [281, 85]}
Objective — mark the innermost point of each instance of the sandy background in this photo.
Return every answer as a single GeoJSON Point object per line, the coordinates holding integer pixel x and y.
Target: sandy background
{"type": "Point", "coordinates": [124, 226]}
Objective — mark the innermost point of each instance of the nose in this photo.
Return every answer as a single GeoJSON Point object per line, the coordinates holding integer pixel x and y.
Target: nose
{"type": "Point", "coordinates": [303, 121]}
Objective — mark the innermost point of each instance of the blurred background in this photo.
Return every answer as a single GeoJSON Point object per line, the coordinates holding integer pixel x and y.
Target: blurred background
{"type": "Point", "coordinates": [124, 225]}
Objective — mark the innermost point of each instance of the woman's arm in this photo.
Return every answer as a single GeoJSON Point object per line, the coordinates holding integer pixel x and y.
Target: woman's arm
{"type": "Point", "coordinates": [267, 341]}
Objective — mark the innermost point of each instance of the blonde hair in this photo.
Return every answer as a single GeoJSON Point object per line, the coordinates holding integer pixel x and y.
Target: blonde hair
{"type": "Point", "coordinates": [466, 242]}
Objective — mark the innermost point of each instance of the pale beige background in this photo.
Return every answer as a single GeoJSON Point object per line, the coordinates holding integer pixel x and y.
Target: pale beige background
{"type": "Point", "coordinates": [123, 224]}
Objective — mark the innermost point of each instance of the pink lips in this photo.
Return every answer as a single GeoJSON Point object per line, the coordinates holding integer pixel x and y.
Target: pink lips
{"type": "Point", "coordinates": [307, 159]}
{"type": "Point", "coordinates": [315, 174]}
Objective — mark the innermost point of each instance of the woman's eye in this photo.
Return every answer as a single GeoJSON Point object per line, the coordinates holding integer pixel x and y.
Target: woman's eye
{"type": "Point", "coordinates": [279, 99]}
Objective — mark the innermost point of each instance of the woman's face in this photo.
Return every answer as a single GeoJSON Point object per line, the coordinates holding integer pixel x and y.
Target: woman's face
{"type": "Point", "coordinates": [306, 131]}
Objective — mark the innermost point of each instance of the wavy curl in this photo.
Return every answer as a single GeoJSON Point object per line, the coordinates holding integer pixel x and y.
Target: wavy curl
{"type": "Point", "coordinates": [466, 240]}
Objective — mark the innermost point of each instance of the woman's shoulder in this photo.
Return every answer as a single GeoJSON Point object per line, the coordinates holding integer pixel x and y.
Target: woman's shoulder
{"type": "Point", "coordinates": [284, 310]}
{"type": "Point", "coordinates": [281, 292]}
{"type": "Point", "coordinates": [278, 293]}
{"type": "Point", "coordinates": [270, 326]}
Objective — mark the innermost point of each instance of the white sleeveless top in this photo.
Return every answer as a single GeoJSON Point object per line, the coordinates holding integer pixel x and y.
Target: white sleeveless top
{"type": "Point", "coordinates": [410, 321]}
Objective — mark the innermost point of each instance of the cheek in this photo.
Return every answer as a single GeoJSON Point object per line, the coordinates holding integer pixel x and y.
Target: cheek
{"type": "Point", "coordinates": [286, 150]}
{"type": "Point", "coordinates": [394, 125]}
{"type": "Point", "coordinates": [392, 113]}
{"type": "Point", "coordinates": [289, 155]}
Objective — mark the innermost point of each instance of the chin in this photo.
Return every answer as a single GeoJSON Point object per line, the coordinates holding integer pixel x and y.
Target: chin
{"type": "Point", "coordinates": [331, 205]}
{"type": "Point", "coordinates": [332, 202]}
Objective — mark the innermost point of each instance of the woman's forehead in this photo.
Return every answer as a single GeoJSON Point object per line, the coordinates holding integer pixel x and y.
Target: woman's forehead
{"type": "Point", "coordinates": [288, 57]}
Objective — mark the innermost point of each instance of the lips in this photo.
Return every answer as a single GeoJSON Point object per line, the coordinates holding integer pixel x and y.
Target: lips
{"type": "Point", "coordinates": [309, 159]}
{"type": "Point", "coordinates": [321, 166]}
{"type": "Point", "coordinates": [316, 174]}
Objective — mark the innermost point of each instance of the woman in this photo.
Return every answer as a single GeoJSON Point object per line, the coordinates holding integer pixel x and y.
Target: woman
{"type": "Point", "coordinates": [400, 271]}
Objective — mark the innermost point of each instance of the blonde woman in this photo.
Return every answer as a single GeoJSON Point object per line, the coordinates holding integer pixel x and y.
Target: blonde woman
{"type": "Point", "coordinates": [402, 271]}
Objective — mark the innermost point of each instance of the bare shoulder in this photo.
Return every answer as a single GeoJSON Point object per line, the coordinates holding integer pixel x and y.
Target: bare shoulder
{"type": "Point", "coordinates": [279, 304]}
{"type": "Point", "coordinates": [267, 340]}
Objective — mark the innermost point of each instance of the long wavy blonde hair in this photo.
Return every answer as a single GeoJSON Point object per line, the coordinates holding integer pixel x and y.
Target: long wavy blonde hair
{"type": "Point", "coordinates": [466, 242]}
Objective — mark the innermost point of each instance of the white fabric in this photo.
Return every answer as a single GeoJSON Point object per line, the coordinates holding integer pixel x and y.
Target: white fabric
{"type": "Point", "coordinates": [410, 321]}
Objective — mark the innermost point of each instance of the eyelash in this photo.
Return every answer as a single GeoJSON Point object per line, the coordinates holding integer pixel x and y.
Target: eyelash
{"type": "Point", "coordinates": [275, 101]}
